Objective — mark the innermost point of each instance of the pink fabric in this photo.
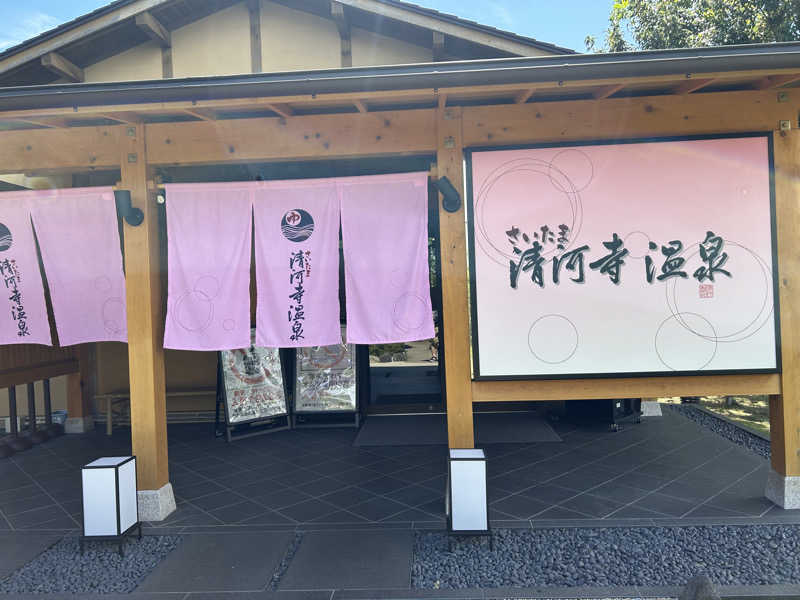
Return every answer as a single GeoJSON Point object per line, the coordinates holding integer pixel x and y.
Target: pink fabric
{"type": "Point", "coordinates": [208, 234]}
{"type": "Point", "coordinates": [297, 263]}
{"type": "Point", "coordinates": [79, 241]}
{"type": "Point", "coordinates": [385, 238]}
{"type": "Point", "coordinates": [23, 313]}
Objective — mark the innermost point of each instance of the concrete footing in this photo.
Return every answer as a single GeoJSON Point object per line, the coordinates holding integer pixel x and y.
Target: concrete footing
{"type": "Point", "coordinates": [783, 491]}
{"type": "Point", "coordinates": [79, 424]}
{"type": "Point", "coordinates": [156, 505]}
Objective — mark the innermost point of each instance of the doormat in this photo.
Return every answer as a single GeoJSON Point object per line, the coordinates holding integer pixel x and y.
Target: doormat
{"type": "Point", "coordinates": [425, 430]}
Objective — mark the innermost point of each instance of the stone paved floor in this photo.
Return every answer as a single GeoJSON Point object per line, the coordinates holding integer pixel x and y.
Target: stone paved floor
{"type": "Point", "coordinates": [662, 470]}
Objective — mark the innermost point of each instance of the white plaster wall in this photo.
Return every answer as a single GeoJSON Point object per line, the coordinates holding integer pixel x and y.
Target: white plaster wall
{"type": "Point", "coordinates": [292, 40]}
{"type": "Point", "coordinates": [216, 45]}
{"type": "Point", "coordinates": [370, 49]}
{"type": "Point", "coordinates": [138, 63]}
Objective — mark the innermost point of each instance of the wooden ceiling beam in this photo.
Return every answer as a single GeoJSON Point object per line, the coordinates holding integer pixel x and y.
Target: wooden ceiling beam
{"type": "Point", "coordinates": [692, 85]}
{"type": "Point", "coordinates": [55, 63]}
{"type": "Point", "coordinates": [523, 96]}
{"type": "Point", "coordinates": [126, 118]}
{"type": "Point", "coordinates": [47, 122]}
{"type": "Point", "coordinates": [154, 29]}
{"type": "Point", "coordinates": [281, 109]}
{"type": "Point", "coordinates": [204, 114]}
{"type": "Point", "coordinates": [667, 82]}
{"type": "Point", "coordinates": [607, 91]}
{"type": "Point", "coordinates": [74, 34]}
{"type": "Point", "coordinates": [339, 15]}
{"type": "Point", "coordinates": [774, 81]}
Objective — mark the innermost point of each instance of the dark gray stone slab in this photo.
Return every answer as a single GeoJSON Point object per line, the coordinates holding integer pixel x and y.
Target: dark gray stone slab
{"type": "Point", "coordinates": [219, 563]}
{"type": "Point", "coordinates": [17, 549]}
{"type": "Point", "coordinates": [351, 559]}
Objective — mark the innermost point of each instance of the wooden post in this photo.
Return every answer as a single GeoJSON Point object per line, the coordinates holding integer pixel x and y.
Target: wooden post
{"type": "Point", "coordinates": [783, 484]}
{"type": "Point", "coordinates": [79, 411]}
{"type": "Point", "coordinates": [145, 335]}
{"type": "Point", "coordinates": [455, 295]}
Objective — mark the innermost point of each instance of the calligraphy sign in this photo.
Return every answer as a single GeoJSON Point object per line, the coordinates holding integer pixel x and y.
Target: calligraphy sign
{"type": "Point", "coordinates": [253, 383]}
{"type": "Point", "coordinates": [326, 379]}
{"type": "Point", "coordinates": [640, 257]}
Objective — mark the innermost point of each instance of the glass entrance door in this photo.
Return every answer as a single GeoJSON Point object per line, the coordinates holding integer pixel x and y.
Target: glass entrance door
{"type": "Point", "coordinates": [408, 377]}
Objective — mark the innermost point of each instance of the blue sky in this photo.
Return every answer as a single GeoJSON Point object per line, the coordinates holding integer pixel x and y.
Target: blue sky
{"type": "Point", "coordinates": [562, 22]}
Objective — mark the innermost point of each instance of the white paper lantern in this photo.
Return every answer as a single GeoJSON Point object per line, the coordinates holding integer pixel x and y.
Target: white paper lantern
{"type": "Point", "coordinates": [110, 504]}
{"type": "Point", "coordinates": [467, 499]}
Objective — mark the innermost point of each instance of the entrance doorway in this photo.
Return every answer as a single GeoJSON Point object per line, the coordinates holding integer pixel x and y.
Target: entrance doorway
{"type": "Point", "coordinates": [408, 378]}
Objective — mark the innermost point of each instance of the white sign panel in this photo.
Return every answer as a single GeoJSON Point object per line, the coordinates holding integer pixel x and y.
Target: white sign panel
{"type": "Point", "coordinates": [627, 258]}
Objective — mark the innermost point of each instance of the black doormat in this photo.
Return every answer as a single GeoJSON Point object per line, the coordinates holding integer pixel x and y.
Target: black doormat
{"type": "Point", "coordinates": [490, 428]}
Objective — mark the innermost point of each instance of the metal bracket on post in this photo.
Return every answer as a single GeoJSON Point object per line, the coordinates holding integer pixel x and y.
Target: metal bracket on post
{"type": "Point", "coordinates": [133, 216]}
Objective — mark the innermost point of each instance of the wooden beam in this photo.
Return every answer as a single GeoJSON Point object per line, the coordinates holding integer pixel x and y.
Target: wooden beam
{"type": "Point", "coordinates": [83, 148]}
{"type": "Point", "coordinates": [410, 132]}
{"type": "Point", "coordinates": [437, 46]}
{"type": "Point", "coordinates": [154, 29]}
{"type": "Point", "coordinates": [126, 118]}
{"type": "Point", "coordinates": [455, 293]}
{"type": "Point", "coordinates": [441, 101]}
{"type": "Point", "coordinates": [254, 11]}
{"type": "Point", "coordinates": [72, 34]}
{"type": "Point", "coordinates": [399, 13]}
{"type": "Point", "coordinates": [20, 375]}
{"type": "Point", "coordinates": [166, 63]}
{"type": "Point", "coordinates": [361, 106]}
{"type": "Point", "coordinates": [774, 81]}
{"type": "Point", "coordinates": [284, 110]}
{"type": "Point", "coordinates": [629, 387]}
{"type": "Point", "coordinates": [689, 114]}
{"type": "Point", "coordinates": [145, 320]}
{"type": "Point", "coordinates": [343, 25]}
{"type": "Point", "coordinates": [608, 90]}
{"type": "Point", "coordinates": [692, 85]}
{"type": "Point", "coordinates": [47, 122]}
{"type": "Point", "coordinates": [55, 63]}
{"type": "Point", "coordinates": [523, 96]}
{"type": "Point", "coordinates": [347, 97]}
{"type": "Point", "coordinates": [204, 114]}
{"type": "Point", "coordinates": [78, 392]}
{"type": "Point", "coordinates": [785, 408]}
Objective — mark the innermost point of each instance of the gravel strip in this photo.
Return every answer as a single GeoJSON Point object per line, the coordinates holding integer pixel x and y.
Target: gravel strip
{"type": "Point", "coordinates": [291, 550]}
{"type": "Point", "coordinates": [737, 435]}
{"type": "Point", "coordinates": [101, 570]}
{"type": "Point", "coordinates": [630, 556]}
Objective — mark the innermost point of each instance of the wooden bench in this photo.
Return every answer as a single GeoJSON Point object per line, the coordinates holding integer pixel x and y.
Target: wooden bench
{"type": "Point", "coordinates": [122, 401]}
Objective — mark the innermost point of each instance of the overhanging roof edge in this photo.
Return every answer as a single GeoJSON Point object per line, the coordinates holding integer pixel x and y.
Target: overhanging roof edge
{"type": "Point", "coordinates": [522, 71]}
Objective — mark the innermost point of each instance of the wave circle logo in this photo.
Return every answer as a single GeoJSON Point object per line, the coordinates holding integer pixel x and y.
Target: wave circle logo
{"type": "Point", "coordinates": [5, 238]}
{"type": "Point", "coordinates": [297, 225]}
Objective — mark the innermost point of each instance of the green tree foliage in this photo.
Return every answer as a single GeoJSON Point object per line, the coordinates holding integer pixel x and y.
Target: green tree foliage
{"type": "Point", "coordinates": [655, 24]}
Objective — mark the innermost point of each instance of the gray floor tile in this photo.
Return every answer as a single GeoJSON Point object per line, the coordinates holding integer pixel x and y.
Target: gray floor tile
{"type": "Point", "coordinates": [342, 560]}
{"type": "Point", "coordinates": [17, 549]}
{"type": "Point", "coordinates": [666, 505]}
{"type": "Point", "coordinates": [594, 506]}
{"type": "Point", "coordinates": [217, 563]}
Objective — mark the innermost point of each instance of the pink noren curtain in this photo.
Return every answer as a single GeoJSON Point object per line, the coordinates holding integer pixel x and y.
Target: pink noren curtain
{"type": "Point", "coordinates": [79, 241]}
{"type": "Point", "coordinates": [297, 263]}
{"type": "Point", "coordinates": [385, 240]}
{"type": "Point", "coordinates": [209, 243]}
{"type": "Point", "coordinates": [23, 313]}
